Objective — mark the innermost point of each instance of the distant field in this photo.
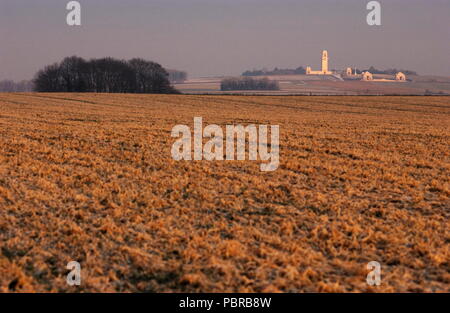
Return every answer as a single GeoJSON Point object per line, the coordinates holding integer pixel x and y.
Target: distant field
{"type": "Point", "coordinates": [323, 85]}
{"type": "Point", "coordinates": [90, 178]}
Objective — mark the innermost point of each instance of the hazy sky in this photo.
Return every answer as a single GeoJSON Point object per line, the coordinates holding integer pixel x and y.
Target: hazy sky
{"type": "Point", "coordinates": [226, 37]}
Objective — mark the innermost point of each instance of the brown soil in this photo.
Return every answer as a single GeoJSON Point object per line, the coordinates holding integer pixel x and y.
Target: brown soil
{"type": "Point", "coordinates": [90, 178]}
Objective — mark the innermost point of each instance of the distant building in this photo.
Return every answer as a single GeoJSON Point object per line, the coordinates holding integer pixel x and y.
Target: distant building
{"type": "Point", "coordinates": [400, 77]}
{"type": "Point", "coordinates": [350, 74]}
{"type": "Point", "coordinates": [367, 76]}
{"type": "Point", "coordinates": [324, 70]}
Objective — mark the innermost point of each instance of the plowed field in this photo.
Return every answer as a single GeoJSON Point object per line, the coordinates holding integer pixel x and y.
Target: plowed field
{"type": "Point", "coordinates": [90, 178]}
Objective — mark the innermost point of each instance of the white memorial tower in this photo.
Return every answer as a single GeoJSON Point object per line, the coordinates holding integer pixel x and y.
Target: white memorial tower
{"type": "Point", "coordinates": [324, 70]}
{"type": "Point", "coordinates": [325, 62]}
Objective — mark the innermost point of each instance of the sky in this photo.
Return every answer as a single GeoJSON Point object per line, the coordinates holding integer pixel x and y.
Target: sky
{"type": "Point", "coordinates": [227, 37]}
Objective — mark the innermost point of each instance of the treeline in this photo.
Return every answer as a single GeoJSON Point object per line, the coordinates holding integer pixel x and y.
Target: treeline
{"type": "Point", "coordinates": [390, 71]}
{"type": "Point", "coordinates": [276, 71]}
{"type": "Point", "coordinates": [109, 75]}
{"type": "Point", "coordinates": [176, 76]}
{"type": "Point", "coordinates": [11, 86]}
{"type": "Point", "coordinates": [248, 83]}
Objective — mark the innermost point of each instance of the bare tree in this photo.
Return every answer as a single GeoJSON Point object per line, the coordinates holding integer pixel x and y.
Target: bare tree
{"type": "Point", "coordinates": [74, 74]}
{"type": "Point", "coordinates": [248, 83]}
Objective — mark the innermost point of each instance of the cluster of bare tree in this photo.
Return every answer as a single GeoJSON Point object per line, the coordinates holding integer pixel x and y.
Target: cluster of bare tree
{"type": "Point", "coordinates": [248, 83]}
{"type": "Point", "coordinates": [75, 74]}
{"type": "Point", "coordinates": [276, 71]}
{"type": "Point", "coordinates": [389, 71]}
{"type": "Point", "coordinates": [177, 76]}
{"type": "Point", "coordinates": [11, 86]}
